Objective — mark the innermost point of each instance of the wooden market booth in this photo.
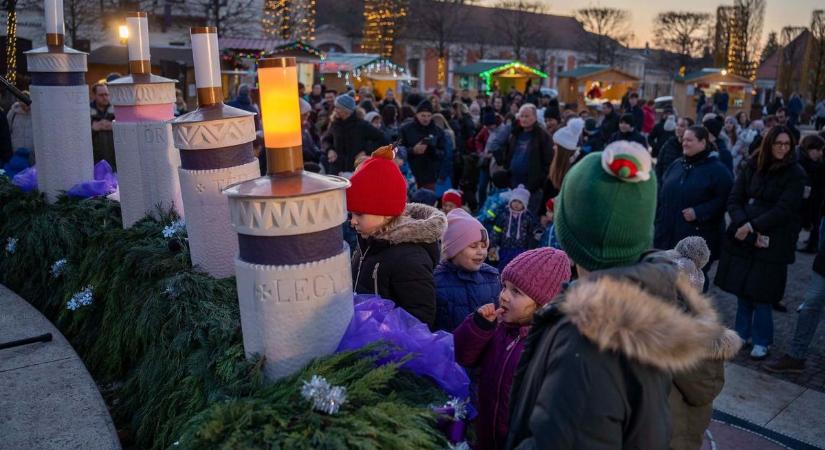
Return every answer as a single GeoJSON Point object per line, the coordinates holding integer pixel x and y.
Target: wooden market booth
{"type": "Point", "coordinates": [594, 84]}
{"type": "Point", "coordinates": [686, 90]}
{"type": "Point", "coordinates": [358, 70]}
{"type": "Point", "coordinates": [239, 59]}
{"type": "Point", "coordinates": [497, 75]}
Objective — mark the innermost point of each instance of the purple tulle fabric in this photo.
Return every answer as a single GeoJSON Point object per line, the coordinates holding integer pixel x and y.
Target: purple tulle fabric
{"type": "Point", "coordinates": [105, 183]}
{"type": "Point", "coordinates": [377, 319]}
{"type": "Point", "coordinates": [26, 180]}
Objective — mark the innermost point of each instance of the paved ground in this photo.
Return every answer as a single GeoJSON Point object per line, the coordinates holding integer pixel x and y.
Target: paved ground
{"type": "Point", "coordinates": [799, 275]}
{"type": "Point", "coordinates": [48, 400]}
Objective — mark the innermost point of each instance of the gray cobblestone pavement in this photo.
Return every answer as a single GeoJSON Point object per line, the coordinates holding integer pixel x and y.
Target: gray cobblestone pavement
{"type": "Point", "coordinates": [799, 275]}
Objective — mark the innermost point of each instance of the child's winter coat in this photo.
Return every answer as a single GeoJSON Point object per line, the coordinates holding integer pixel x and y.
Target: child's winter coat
{"type": "Point", "coordinates": [496, 202]}
{"type": "Point", "coordinates": [459, 292]}
{"type": "Point", "coordinates": [496, 349]}
{"type": "Point", "coordinates": [513, 233]}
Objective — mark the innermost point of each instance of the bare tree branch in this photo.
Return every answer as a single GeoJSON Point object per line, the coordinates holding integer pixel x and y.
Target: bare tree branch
{"type": "Point", "coordinates": [518, 23]}
{"type": "Point", "coordinates": [817, 78]}
{"type": "Point", "coordinates": [609, 27]}
{"type": "Point", "coordinates": [681, 32]}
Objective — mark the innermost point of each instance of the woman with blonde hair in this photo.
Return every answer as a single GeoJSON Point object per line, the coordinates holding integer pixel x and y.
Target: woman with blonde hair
{"type": "Point", "coordinates": [566, 151]}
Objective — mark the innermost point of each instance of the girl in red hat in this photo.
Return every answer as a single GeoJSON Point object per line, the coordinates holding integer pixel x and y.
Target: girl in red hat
{"type": "Point", "coordinates": [397, 242]}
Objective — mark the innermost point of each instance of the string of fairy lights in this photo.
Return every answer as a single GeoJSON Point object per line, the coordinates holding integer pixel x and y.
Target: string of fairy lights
{"type": "Point", "coordinates": [289, 19]}
{"type": "Point", "coordinates": [381, 19]}
{"type": "Point", "coordinates": [11, 42]}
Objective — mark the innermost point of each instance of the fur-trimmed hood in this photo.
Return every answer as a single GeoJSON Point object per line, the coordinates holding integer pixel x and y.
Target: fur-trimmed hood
{"type": "Point", "coordinates": [420, 224]}
{"type": "Point", "coordinates": [650, 313]}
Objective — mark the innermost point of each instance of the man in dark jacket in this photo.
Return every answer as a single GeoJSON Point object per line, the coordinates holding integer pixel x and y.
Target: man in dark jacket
{"type": "Point", "coordinates": [610, 121]}
{"type": "Point", "coordinates": [636, 110]}
{"type": "Point", "coordinates": [528, 155]}
{"type": "Point", "coordinates": [659, 135]}
{"type": "Point", "coordinates": [596, 369]}
{"type": "Point", "coordinates": [349, 136]}
{"type": "Point", "coordinates": [672, 148]}
{"type": "Point", "coordinates": [425, 144]}
{"type": "Point", "coordinates": [628, 131]}
{"type": "Point", "coordinates": [102, 114]}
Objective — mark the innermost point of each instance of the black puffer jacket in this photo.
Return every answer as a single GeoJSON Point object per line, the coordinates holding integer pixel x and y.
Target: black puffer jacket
{"type": "Point", "coordinates": [350, 137]}
{"type": "Point", "coordinates": [596, 370]}
{"type": "Point", "coordinates": [398, 263]}
{"type": "Point", "coordinates": [670, 151]}
{"type": "Point", "coordinates": [425, 166]}
{"type": "Point", "coordinates": [771, 203]}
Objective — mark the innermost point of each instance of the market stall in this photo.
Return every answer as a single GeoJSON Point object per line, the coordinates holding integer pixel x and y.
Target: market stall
{"type": "Point", "coordinates": [357, 70]}
{"type": "Point", "coordinates": [687, 89]}
{"type": "Point", "coordinates": [594, 84]}
{"type": "Point", "coordinates": [497, 75]}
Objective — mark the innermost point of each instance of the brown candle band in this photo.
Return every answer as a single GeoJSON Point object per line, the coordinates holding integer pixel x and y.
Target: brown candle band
{"type": "Point", "coordinates": [140, 67]}
{"type": "Point", "coordinates": [203, 30]}
{"type": "Point", "coordinates": [217, 158]}
{"type": "Point", "coordinates": [284, 159]}
{"type": "Point", "coordinates": [291, 250]}
{"type": "Point", "coordinates": [210, 96]}
{"type": "Point", "coordinates": [137, 14]}
{"type": "Point", "coordinates": [267, 63]}
{"type": "Point", "coordinates": [55, 40]}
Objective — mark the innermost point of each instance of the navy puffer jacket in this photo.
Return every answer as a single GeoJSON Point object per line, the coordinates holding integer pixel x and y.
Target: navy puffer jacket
{"type": "Point", "coordinates": [459, 293]}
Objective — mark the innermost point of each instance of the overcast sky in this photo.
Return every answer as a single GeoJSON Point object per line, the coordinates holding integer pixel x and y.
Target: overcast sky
{"type": "Point", "coordinates": [778, 13]}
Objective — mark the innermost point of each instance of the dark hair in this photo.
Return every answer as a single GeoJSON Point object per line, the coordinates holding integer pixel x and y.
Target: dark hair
{"type": "Point", "coordinates": [764, 159]}
{"type": "Point", "coordinates": [701, 133]}
{"type": "Point", "coordinates": [811, 142]}
{"type": "Point", "coordinates": [634, 95]}
{"type": "Point", "coordinates": [389, 114]}
{"type": "Point", "coordinates": [628, 119]}
{"type": "Point", "coordinates": [407, 112]}
{"type": "Point", "coordinates": [609, 105]}
{"type": "Point", "coordinates": [331, 91]}
{"type": "Point", "coordinates": [782, 109]}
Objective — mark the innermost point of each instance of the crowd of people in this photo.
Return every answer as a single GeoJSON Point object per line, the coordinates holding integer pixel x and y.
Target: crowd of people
{"type": "Point", "coordinates": [569, 252]}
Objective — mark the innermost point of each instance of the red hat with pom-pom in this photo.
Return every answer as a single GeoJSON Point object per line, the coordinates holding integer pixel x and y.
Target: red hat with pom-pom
{"type": "Point", "coordinates": [378, 187]}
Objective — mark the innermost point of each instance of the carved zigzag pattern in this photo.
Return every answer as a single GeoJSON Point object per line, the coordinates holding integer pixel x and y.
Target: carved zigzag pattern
{"type": "Point", "coordinates": [151, 94]}
{"type": "Point", "coordinates": [290, 214]}
{"type": "Point", "coordinates": [57, 62]}
{"type": "Point", "coordinates": [219, 133]}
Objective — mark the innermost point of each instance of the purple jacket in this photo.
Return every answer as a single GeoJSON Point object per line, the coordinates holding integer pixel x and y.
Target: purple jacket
{"type": "Point", "coordinates": [496, 349]}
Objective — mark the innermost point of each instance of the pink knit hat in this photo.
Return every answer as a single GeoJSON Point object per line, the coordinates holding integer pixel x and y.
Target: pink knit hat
{"type": "Point", "coordinates": [462, 230]}
{"type": "Point", "coordinates": [539, 273]}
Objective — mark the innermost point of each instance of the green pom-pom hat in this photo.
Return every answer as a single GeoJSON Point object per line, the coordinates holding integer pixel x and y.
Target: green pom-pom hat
{"type": "Point", "coordinates": [606, 208]}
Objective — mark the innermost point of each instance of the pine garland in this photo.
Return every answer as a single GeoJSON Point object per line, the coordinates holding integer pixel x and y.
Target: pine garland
{"type": "Point", "coordinates": [165, 341]}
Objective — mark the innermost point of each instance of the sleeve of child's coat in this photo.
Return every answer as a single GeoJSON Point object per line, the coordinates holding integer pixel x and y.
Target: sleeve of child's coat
{"type": "Point", "coordinates": [471, 338]}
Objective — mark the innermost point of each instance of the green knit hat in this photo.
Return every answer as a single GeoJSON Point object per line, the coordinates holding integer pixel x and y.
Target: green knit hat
{"type": "Point", "coordinates": [605, 211]}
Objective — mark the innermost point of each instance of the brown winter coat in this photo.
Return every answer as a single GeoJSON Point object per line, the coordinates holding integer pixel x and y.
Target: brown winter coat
{"type": "Point", "coordinates": [692, 394]}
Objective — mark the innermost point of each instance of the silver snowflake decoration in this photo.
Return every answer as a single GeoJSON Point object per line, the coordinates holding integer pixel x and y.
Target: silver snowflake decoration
{"type": "Point", "coordinates": [58, 267]}
{"type": "Point", "coordinates": [459, 446]}
{"type": "Point", "coordinates": [80, 299]}
{"type": "Point", "coordinates": [459, 408]}
{"type": "Point", "coordinates": [174, 228]}
{"type": "Point", "coordinates": [11, 245]}
{"type": "Point", "coordinates": [171, 291]}
{"type": "Point", "coordinates": [324, 397]}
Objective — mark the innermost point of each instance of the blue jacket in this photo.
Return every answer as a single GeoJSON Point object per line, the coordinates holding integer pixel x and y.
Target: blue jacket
{"type": "Point", "coordinates": [458, 293]}
{"type": "Point", "coordinates": [496, 201]}
{"type": "Point", "coordinates": [511, 232]}
{"type": "Point", "coordinates": [703, 186]}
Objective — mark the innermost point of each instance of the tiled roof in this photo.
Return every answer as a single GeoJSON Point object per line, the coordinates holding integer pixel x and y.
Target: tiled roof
{"type": "Point", "coordinates": [562, 32]}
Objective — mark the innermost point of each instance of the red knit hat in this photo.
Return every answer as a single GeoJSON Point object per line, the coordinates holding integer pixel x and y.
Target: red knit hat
{"type": "Point", "coordinates": [453, 196]}
{"type": "Point", "coordinates": [539, 273]}
{"type": "Point", "coordinates": [378, 187]}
